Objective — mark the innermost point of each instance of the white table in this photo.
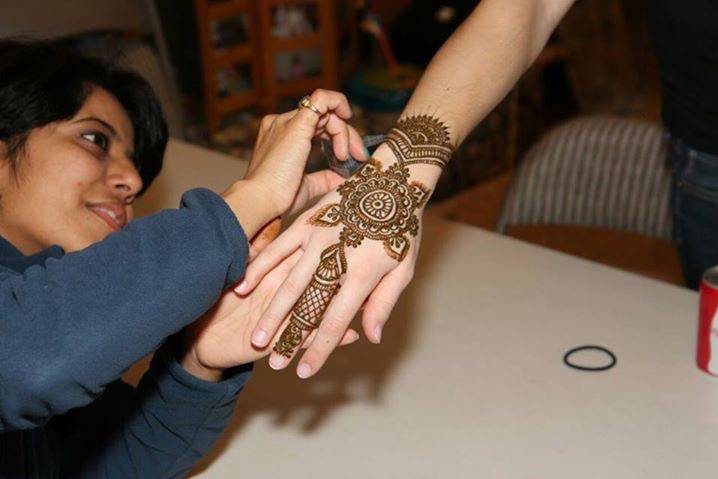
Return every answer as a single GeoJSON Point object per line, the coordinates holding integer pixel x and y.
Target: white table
{"type": "Point", "coordinates": [469, 379]}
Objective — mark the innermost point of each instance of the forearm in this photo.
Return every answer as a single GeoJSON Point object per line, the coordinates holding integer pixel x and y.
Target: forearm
{"type": "Point", "coordinates": [252, 205]}
{"type": "Point", "coordinates": [161, 429]}
{"type": "Point", "coordinates": [480, 63]}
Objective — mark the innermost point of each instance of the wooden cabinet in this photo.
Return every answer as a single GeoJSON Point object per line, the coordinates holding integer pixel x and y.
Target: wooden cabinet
{"type": "Point", "coordinates": [256, 52]}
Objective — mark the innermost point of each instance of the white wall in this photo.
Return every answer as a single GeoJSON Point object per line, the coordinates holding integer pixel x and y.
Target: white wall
{"type": "Point", "coordinates": [49, 18]}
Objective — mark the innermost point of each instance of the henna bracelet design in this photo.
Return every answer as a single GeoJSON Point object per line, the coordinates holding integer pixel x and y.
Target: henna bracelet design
{"type": "Point", "coordinates": [421, 139]}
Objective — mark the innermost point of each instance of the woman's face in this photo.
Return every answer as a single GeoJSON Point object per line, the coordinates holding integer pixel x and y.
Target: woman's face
{"type": "Point", "coordinates": [75, 181]}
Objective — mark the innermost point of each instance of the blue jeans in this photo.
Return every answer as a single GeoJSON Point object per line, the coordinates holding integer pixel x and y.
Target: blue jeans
{"type": "Point", "coordinates": [694, 202]}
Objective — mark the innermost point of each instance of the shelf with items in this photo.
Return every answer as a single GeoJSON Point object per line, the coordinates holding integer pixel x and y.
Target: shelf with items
{"type": "Point", "coordinates": [231, 64]}
{"type": "Point", "coordinates": [257, 53]}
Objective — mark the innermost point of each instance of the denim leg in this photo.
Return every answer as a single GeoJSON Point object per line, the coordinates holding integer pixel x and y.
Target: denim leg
{"type": "Point", "coordinates": [694, 200]}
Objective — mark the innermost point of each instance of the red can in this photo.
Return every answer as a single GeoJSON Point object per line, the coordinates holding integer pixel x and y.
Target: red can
{"type": "Point", "coordinates": [707, 350]}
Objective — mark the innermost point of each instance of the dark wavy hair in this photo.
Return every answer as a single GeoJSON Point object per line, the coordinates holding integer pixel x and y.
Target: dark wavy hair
{"type": "Point", "coordinates": [42, 82]}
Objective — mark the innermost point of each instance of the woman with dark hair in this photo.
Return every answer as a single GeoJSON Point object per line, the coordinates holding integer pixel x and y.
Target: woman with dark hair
{"type": "Point", "coordinates": [85, 292]}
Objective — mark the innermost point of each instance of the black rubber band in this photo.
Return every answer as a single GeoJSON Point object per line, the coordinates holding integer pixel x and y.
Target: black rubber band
{"type": "Point", "coordinates": [589, 347]}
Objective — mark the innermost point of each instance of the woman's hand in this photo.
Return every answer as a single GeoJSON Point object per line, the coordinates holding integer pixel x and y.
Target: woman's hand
{"type": "Point", "coordinates": [280, 155]}
{"type": "Point", "coordinates": [366, 232]}
{"type": "Point", "coordinates": [221, 337]}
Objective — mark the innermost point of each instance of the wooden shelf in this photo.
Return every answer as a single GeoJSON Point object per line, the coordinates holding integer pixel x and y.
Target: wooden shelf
{"type": "Point", "coordinates": [298, 87]}
{"type": "Point", "coordinates": [236, 102]}
{"type": "Point", "coordinates": [233, 55]}
{"type": "Point", "coordinates": [296, 43]}
{"type": "Point", "coordinates": [228, 9]}
{"type": "Point", "coordinates": [283, 3]}
{"type": "Point", "coordinates": [260, 51]}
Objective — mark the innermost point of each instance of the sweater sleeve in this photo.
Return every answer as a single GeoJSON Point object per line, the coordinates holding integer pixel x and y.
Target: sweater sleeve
{"type": "Point", "coordinates": [73, 325]}
{"type": "Point", "coordinates": [159, 430]}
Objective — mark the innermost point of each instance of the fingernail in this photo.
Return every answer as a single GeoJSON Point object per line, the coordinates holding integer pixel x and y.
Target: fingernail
{"type": "Point", "coordinates": [377, 333]}
{"type": "Point", "coordinates": [304, 370]}
{"type": "Point", "coordinates": [277, 362]}
{"type": "Point", "coordinates": [241, 288]}
{"type": "Point", "coordinates": [259, 338]}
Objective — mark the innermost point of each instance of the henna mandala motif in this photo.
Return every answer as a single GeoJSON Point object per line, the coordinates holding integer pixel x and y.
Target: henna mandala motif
{"type": "Point", "coordinates": [378, 205]}
{"type": "Point", "coordinates": [421, 139]}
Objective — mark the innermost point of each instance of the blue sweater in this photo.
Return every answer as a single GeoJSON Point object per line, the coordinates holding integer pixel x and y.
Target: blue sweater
{"type": "Point", "coordinates": [71, 324]}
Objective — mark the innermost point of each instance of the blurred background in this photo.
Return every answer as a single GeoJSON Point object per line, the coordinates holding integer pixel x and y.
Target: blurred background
{"type": "Point", "coordinates": [219, 65]}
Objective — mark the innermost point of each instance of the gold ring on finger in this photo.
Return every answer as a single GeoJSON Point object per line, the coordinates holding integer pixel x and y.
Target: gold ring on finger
{"type": "Point", "coordinates": [305, 102]}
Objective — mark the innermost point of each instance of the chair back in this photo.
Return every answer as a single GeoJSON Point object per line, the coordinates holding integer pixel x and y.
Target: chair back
{"type": "Point", "coordinates": [595, 171]}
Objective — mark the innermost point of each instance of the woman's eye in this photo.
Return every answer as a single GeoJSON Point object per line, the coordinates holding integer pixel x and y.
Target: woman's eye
{"type": "Point", "coordinates": [98, 139]}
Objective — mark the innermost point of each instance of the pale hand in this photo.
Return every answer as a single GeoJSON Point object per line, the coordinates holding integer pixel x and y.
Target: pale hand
{"type": "Point", "coordinates": [379, 265]}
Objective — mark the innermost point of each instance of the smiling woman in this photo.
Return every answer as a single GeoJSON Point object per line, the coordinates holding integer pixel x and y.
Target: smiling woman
{"type": "Point", "coordinates": [85, 292]}
{"type": "Point", "coordinates": [81, 139]}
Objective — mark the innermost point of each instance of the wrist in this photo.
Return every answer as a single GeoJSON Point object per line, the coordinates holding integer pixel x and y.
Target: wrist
{"type": "Point", "coordinates": [186, 356]}
{"type": "Point", "coordinates": [252, 204]}
{"type": "Point", "coordinates": [424, 173]}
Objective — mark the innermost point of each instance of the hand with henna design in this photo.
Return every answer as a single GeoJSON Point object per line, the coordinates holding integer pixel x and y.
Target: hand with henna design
{"type": "Point", "coordinates": [221, 338]}
{"type": "Point", "coordinates": [364, 233]}
{"type": "Point", "coordinates": [459, 87]}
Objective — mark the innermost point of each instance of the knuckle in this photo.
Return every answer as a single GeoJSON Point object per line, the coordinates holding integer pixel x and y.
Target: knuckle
{"type": "Point", "coordinates": [319, 94]}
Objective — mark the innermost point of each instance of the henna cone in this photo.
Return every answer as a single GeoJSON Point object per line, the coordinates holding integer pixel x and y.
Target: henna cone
{"type": "Point", "coordinates": [311, 305]}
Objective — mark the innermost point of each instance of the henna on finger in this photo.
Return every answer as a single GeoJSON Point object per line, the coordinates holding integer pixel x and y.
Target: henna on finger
{"type": "Point", "coordinates": [311, 305]}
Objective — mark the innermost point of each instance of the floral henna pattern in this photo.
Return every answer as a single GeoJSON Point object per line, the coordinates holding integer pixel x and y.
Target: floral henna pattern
{"type": "Point", "coordinates": [379, 205]}
{"type": "Point", "coordinates": [421, 139]}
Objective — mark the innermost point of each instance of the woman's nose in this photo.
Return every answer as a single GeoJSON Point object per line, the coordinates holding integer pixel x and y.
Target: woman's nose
{"type": "Point", "coordinates": [125, 180]}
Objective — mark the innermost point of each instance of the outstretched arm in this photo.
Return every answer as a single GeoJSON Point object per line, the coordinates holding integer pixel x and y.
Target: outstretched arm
{"type": "Point", "coordinates": [365, 235]}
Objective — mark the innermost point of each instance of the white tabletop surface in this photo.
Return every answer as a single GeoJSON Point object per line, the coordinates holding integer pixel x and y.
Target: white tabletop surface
{"type": "Point", "coordinates": [469, 380]}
